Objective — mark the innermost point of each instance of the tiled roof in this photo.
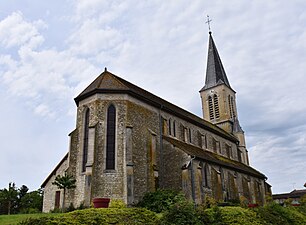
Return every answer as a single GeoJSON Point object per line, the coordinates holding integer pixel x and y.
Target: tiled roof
{"type": "Point", "coordinates": [110, 83]}
{"type": "Point", "coordinates": [215, 73]}
{"type": "Point", "coordinates": [292, 194]}
{"type": "Point", "coordinates": [213, 158]}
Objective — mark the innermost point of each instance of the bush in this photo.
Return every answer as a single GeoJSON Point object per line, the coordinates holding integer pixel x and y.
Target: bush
{"type": "Point", "coordinates": [230, 215]}
{"type": "Point", "coordinates": [117, 203]}
{"type": "Point", "coordinates": [276, 214]}
{"type": "Point", "coordinates": [180, 214]}
{"type": "Point", "coordinates": [161, 200]}
{"type": "Point", "coordinates": [122, 216]}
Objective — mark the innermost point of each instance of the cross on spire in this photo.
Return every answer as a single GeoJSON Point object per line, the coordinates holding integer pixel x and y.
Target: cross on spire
{"type": "Point", "coordinates": [208, 22]}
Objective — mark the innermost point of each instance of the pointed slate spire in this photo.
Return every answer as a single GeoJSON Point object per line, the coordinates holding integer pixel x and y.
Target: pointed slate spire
{"type": "Point", "coordinates": [215, 73]}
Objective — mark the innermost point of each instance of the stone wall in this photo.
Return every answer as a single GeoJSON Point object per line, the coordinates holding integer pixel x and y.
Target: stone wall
{"type": "Point", "coordinates": [144, 161]}
{"type": "Point", "coordinates": [50, 189]}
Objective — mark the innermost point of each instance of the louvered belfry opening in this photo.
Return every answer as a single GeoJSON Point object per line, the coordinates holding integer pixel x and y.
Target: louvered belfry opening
{"type": "Point", "coordinates": [216, 106]}
{"type": "Point", "coordinates": [211, 108]}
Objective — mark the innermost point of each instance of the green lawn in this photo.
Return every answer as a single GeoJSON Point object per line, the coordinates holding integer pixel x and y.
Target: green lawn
{"type": "Point", "coordinates": [14, 219]}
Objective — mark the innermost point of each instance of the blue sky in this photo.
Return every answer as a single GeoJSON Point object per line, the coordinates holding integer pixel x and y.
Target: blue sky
{"type": "Point", "coordinates": [51, 50]}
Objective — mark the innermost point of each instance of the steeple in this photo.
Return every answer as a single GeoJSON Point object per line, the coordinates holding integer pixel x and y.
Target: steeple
{"type": "Point", "coordinates": [215, 73]}
{"type": "Point", "coordinates": [219, 99]}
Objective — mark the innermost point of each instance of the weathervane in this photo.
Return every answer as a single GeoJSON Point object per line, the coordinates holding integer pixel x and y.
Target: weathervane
{"type": "Point", "coordinates": [208, 22]}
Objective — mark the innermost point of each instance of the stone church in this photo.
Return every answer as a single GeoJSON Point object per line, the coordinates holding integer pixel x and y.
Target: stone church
{"type": "Point", "coordinates": [128, 141]}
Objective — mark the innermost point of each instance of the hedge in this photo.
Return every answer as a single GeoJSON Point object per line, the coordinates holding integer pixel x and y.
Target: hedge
{"type": "Point", "coordinates": [122, 216]}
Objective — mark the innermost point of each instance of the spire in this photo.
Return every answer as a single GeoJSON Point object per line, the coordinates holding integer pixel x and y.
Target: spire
{"type": "Point", "coordinates": [215, 73]}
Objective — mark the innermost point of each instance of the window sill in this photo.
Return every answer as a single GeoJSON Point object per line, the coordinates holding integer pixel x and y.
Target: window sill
{"type": "Point", "coordinates": [109, 171]}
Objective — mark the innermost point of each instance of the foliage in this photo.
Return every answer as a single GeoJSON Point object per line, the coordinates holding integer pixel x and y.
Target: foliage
{"type": "Point", "coordinates": [303, 200]}
{"type": "Point", "coordinates": [209, 202]}
{"type": "Point", "coordinates": [117, 203]}
{"type": "Point", "coordinates": [31, 202]}
{"type": "Point", "coordinates": [18, 200]}
{"type": "Point", "coordinates": [161, 200]}
{"type": "Point", "coordinates": [64, 182]}
{"type": "Point", "coordinates": [276, 214]}
{"type": "Point", "coordinates": [243, 201]}
{"type": "Point", "coordinates": [181, 213]}
{"type": "Point", "coordinates": [9, 199]}
{"type": "Point", "coordinates": [99, 216]}
{"type": "Point", "coordinates": [268, 199]}
{"type": "Point", "coordinates": [231, 215]}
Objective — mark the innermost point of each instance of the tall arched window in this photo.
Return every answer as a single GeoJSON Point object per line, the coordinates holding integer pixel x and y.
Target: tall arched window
{"type": "Point", "coordinates": [230, 106]}
{"type": "Point", "coordinates": [205, 173]}
{"type": "Point", "coordinates": [85, 140]}
{"type": "Point", "coordinates": [110, 138]}
{"type": "Point", "coordinates": [211, 108]}
{"type": "Point", "coordinates": [216, 106]}
{"type": "Point", "coordinates": [174, 129]}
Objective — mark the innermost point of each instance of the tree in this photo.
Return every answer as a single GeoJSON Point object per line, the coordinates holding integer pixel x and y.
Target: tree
{"type": "Point", "coordinates": [19, 200]}
{"type": "Point", "coordinates": [22, 191]}
{"type": "Point", "coordinates": [64, 182]}
{"type": "Point", "coordinates": [31, 202]}
{"type": "Point", "coordinates": [305, 185]}
{"type": "Point", "coordinates": [9, 199]}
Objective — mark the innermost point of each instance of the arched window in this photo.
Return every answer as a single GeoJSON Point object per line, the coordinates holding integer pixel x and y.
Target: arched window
{"type": "Point", "coordinates": [110, 138]}
{"type": "Point", "coordinates": [216, 106]}
{"type": "Point", "coordinates": [230, 106]}
{"type": "Point", "coordinates": [211, 108]}
{"type": "Point", "coordinates": [85, 140]}
{"type": "Point", "coordinates": [170, 127]}
{"type": "Point", "coordinates": [174, 129]}
{"type": "Point", "coordinates": [205, 173]}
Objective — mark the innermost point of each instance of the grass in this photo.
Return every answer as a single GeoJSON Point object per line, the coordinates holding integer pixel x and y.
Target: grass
{"type": "Point", "coordinates": [16, 218]}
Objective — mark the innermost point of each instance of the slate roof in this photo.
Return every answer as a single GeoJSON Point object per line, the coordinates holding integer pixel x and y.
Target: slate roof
{"type": "Point", "coordinates": [110, 83]}
{"type": "Point", "coordinates": [236, 126]}
{"type": "Point", "coordinates": [214, 158]}
{"type": "Point", "coordinates": [215, 73]}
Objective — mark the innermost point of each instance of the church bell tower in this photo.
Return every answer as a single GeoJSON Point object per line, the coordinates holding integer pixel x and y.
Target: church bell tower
{"type": "Point", "coordinates": [219, 99]}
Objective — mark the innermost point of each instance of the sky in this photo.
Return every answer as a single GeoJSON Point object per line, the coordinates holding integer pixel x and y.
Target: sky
{"type": "Point", "coordinates": [51, 50]}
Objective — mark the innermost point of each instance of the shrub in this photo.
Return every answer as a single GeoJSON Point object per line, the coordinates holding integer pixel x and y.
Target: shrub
{"type": "Point", "coordinates": [209, 202]}
{"type": "Point", "coordinates": [161, 200]}
{"type": "Point", "coordinates": [117, 203]}
{"type": "Point", "coordinates": [243, 201]}
{"type": "Point", "coordinates": [122, 216]}
{"type": "Point", "coordinates": [180, 214]}
{"type": "Point", "coordinates": [276, 214]}
{"type": "Point", "coordinates": [230, 215]}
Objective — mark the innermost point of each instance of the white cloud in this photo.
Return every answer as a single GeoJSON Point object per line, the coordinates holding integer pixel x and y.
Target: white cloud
{"type": "Point", "coordinates": [43, 110]}
{"type": "Point", "coordinates": [15, 31]}
{"type": "Point", "coordinates": [92, 38]}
